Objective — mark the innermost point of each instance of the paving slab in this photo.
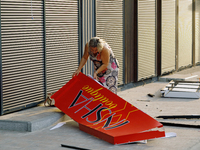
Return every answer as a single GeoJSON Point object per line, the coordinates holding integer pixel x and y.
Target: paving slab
{"type": "Point", "coordinates": [30, 120]}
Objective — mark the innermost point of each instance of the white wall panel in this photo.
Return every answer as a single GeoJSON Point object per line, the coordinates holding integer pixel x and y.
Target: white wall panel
{"type": "Point", "coordinates": [185, 33]}
{"type": "Point", "coordinates": [168, 36]}
{"type": "Point", "coordinates": [197, 31]}
{"type": "Point", "coordinates": [146, 38]}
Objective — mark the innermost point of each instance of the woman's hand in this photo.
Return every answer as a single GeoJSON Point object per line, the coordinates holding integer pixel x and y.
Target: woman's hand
{"type": "Point", "coordinates": [95, 75]}
{"type": "Point", "coordinates": [76, 73]}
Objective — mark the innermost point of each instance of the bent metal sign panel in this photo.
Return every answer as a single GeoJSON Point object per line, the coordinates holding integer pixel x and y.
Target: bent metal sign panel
{"type": "Point", "coordinates": [103, 114]}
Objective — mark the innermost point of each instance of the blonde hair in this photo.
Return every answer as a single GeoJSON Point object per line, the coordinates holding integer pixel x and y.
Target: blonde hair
{"type": "Point", "coordinates": [97, 42]}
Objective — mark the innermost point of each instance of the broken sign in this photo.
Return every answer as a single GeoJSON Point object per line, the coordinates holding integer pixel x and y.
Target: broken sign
{"type": "Point", "coordinates": [103, 114]}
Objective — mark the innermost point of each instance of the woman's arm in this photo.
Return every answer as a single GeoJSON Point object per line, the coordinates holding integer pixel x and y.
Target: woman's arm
{"type": "Point", "coordinates": [105, 57]}
{"type": "Point", "coordinates": [83, 60]}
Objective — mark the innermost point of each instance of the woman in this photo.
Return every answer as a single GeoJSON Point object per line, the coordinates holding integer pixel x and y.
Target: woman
{"type": "Point", "coordinates": [105, 64]}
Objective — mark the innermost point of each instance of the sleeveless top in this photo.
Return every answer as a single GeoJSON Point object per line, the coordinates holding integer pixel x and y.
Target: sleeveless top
{"type": "Point", "coordinates": [108, 77]}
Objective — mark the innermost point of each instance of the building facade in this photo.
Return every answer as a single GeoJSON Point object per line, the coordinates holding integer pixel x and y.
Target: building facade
{"type": "Point", "coordinates": [42, 42]}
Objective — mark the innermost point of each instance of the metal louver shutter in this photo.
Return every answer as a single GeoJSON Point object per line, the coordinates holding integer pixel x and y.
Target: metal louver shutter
{"type": "Point", "coordinates": [168, 35]}
{"type": "Point", "coordinates": [62, 42]}
{"type": "Point", "coordinates": [88, 30]}
{"type": "Point", "coordinates": [22, 53]}
{"type": "Point", "coordinates": [185, 34]}
{"type": "Point", "coordinates": [197, 31]}
{"type": "Point", "coordinates": [109, 26]}
{"type": "Point", "coordinates": [146, 39]}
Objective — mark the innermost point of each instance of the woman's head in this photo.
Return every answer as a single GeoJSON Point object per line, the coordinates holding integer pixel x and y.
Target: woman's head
{"type": "Point", "coordinates": [96, 42]}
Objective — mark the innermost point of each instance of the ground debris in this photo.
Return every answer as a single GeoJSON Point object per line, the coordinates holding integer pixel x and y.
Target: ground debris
{"type": "Point", "coordinates": [151, 95]}
{"type": "Point", "coordinates": [143, 100]}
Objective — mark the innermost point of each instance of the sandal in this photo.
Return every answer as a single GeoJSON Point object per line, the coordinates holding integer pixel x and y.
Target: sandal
{"type": "Point", "coordinates": [49, 101]}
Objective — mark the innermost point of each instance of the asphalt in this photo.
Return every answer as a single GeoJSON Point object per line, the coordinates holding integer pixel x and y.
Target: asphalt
{"type": "Point", "coordinates": [31, 129]}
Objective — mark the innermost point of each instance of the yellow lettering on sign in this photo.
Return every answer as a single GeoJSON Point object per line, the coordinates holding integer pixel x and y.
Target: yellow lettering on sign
{"type": "Point", "coordinates": [98, 96]}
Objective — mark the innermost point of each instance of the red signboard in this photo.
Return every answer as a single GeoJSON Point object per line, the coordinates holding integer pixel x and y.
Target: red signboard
{"type": "Point", "coordinates": [103, 114]}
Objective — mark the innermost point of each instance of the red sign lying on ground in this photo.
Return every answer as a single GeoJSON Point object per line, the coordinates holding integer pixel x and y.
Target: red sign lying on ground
{"type": "Point", "coordinates": [103, 114]}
